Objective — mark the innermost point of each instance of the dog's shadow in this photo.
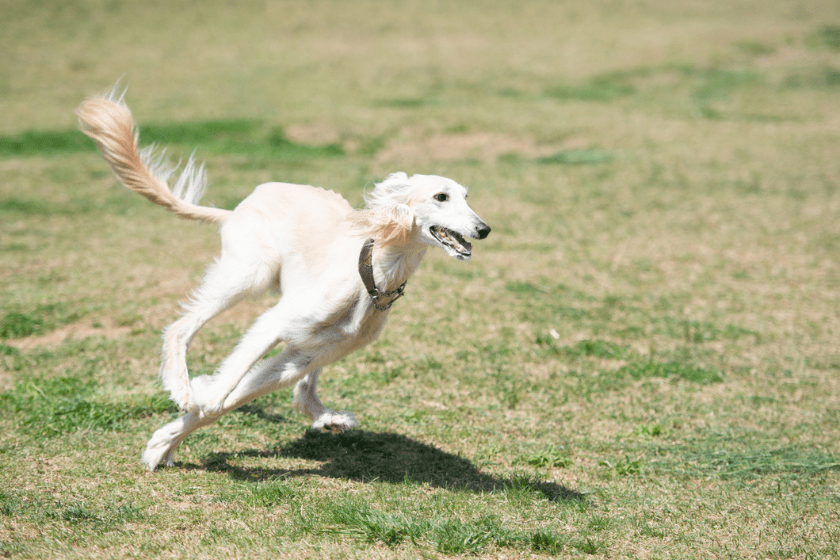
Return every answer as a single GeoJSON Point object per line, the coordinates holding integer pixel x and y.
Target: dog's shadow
{"type": "Point", "coordinates": [385, 457]}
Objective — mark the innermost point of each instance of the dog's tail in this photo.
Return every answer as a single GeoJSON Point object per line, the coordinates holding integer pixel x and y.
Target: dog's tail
{"type": "Point", "coordinates": [108, 120]}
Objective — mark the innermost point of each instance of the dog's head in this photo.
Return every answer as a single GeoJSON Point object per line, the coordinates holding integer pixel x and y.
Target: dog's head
{"type": "Point", "coordinates": [427, 208]}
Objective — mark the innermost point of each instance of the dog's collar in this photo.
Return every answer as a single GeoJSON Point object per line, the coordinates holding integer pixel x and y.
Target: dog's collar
{"type": "Point", "coordinates": [382, 301]}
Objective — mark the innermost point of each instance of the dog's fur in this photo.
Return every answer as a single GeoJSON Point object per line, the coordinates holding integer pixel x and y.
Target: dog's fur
{"type": "Point", "coordinates": [301, 241]}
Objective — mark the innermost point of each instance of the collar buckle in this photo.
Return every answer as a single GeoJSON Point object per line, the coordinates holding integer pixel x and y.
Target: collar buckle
{"type": "Point", "coordinates": [390, 297]}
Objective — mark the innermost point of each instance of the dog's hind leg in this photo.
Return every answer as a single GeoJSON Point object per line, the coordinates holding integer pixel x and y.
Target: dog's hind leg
{"type": "Point", "coordinates": [161, 447]}
{"type": "Point", "coordinates": [210, 392]}
{"type": "Point", "coordinates": [267, 376]}
{"type": "Point", "coordinates": [306, 401]}
{"type": "Point", "coordinates": [226, 283]}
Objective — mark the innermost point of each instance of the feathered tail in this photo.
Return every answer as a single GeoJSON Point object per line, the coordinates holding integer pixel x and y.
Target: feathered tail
{"type": "Point", "coordinates": [108, 120]}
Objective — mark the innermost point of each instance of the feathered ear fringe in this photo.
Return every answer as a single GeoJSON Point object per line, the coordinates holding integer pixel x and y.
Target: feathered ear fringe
{"type": "Point", "coordinates": [389, 225]}
{"type": "Point", "coordinates": [387, 218]}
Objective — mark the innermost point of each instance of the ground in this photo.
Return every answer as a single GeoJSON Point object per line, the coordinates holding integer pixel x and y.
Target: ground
{"type": "Point", "coordinates": [640, 361]}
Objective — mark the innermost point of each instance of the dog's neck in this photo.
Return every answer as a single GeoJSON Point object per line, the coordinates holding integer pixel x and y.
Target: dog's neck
{"type": "Point", "coordinates": [394, 265]}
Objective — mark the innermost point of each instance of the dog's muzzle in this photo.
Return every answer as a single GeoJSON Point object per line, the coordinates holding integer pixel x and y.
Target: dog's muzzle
{"type": "Point", "coordinates": [453, 240]}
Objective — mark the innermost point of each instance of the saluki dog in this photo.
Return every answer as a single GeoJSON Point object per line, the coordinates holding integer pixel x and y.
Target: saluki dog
{"type": "Point", "coordinates": [338, 271]}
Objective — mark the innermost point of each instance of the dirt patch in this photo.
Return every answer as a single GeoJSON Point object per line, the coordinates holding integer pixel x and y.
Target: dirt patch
{"type": "Point", "coordinates": [411, 147]}
{"type": "Point", "coordinates": [76, 331]}
{"type": "Point", "coordinates": [313, 134]}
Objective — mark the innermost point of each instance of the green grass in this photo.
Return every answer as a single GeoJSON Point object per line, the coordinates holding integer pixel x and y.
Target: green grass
{"type": "Point", "coordinates": [59, 405]}
{"type": "Point", "coordinates": [43, 318]}
{"type": "Point", "coordinates": [640, 361]}
{"type": "Point", "coordinates": [221, 137]}
{"type": "Point", "coordinates": [43, 142]}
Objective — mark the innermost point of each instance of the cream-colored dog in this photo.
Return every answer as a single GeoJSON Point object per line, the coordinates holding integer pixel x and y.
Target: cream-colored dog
{"type": "Point", "coordinates": [338, 270]}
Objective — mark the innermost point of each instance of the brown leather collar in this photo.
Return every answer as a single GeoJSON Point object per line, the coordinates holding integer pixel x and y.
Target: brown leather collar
{"type": "Point", "coordinates": [382, 301]}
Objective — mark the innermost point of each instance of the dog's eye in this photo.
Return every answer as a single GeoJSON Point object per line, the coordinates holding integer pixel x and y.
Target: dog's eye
{"type": "Point", "coordinates": [441, 197]}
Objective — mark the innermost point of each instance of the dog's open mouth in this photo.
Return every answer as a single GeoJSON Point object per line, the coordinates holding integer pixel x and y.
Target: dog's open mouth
{"type": "Point", "coordinates": [452, 240]}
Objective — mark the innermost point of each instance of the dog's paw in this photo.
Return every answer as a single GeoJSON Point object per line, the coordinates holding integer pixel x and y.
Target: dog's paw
{"type": "Point", "coordinates": [159, 450]}
{"type": "Point", "coordinates": [210, 409]}
{"type": "Point", "coordinates": [335, 422]}
{"type": "Point", "coordinates": [183, 399]}
{"type": "Point", "coordinates": [205, 399]}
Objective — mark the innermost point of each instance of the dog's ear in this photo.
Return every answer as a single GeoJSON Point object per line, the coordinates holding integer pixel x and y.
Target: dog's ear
{"type": "Point", "coordinates": [388, 218]}
{"type": "Point", "coordinates": [400, 177]}
{"type": "Point", "coordinates": [390, 224]}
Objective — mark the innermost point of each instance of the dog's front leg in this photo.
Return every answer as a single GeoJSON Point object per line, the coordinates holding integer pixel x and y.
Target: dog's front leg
{"type": "Point", "coordinates": [306, 401]}
{"type": "Point", "coordinates": [267, 376]}
{"type": "Point", "coordinates": [211, 392]}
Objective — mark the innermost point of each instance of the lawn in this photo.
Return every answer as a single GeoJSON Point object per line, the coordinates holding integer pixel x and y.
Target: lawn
{"type": "Point", "coordinates": [640, 361]}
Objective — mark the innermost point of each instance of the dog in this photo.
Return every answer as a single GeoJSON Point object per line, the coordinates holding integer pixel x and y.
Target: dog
{"type": "Point", "coordinates": [338, 271]}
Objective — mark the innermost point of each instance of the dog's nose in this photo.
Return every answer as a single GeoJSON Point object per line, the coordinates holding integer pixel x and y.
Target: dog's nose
{"type": "Point", "coordinates": [483, 231]}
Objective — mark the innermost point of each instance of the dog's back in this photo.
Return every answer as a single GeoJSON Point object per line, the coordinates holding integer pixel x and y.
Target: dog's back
{"type": "Point", "coordinates": [295, 226]}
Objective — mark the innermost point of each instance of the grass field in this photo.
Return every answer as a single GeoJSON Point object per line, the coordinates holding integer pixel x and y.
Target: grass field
{"type": "Point", "coordinates": [641, 361]}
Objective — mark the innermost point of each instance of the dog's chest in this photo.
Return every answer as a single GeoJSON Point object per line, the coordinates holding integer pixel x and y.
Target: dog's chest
{"type": "Point", "coordinates": [345, 332]}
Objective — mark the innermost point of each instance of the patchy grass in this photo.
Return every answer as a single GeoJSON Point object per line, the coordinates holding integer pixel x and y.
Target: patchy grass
{"type": "Point", "coordinates": [56, 406]}
{"type": "Point", "coordinates": [640, 361]}
{"type": "Point", "coordinates": [43, 318]}
{"type": "Point", "coordinates": [222, 137]}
